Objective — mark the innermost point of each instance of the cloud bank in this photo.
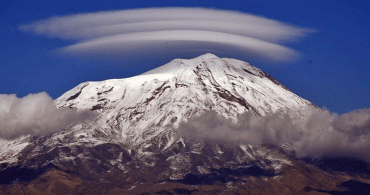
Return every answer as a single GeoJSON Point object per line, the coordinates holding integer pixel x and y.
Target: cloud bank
{"type": "Point", "coordinates": [175, 30]}
{"type": "Point", "coordinates": [36, 115]}
{"type": "Point", "coordinates": [319, 134]}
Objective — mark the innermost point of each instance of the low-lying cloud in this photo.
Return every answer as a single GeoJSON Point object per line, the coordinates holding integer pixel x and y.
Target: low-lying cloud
{"type": "Point", "coordinates": [35, 114]}
{"type": "Point", "coordinates": [319, 134]}
{"type": "Point", "coordinates": [175, 30]}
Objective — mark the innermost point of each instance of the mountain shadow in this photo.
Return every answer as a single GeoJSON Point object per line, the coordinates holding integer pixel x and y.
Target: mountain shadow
{"type": "Point", "coordinates": [350, 165]}
{"type": "Point", "coordinates": [22, 174]}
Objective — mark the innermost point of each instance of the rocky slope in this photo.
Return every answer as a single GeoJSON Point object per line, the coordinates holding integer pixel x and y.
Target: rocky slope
{"type": "Point", "coordinates": [133, 146]}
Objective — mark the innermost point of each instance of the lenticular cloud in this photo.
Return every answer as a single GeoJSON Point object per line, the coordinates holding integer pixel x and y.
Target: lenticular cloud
{"type": "Point", "coordinates": [161, 30]}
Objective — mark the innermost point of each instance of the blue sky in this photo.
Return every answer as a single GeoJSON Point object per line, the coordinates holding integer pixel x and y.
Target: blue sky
{"type": "Point", "coordinates": [333, 72]}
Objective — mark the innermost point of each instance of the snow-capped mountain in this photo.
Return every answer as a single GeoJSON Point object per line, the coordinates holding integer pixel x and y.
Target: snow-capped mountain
{"type": "Point", "coordinates": [152, 105]}
{"type": "Point", "coordinates": [134, 138]}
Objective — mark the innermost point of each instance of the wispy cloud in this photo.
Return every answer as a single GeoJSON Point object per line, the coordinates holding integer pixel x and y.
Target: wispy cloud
{"type": "Point", "coordinates": [171, 30]}
{"type": "Point", "coordinates": [319, 134]}
{"type": "Point", "coordinates": [35, 114]}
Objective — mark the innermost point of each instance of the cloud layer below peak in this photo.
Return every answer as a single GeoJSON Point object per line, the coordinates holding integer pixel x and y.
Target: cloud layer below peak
{"type": "Point", "coordinates": [175, 30]}
{"type": "Point", "coordinates": [318, 134]}
{"type": "Point", "coordinates": [35, 114]}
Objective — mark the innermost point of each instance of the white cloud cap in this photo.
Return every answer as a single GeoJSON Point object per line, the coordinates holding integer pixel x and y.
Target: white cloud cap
{"type": "Point", "coordinates": [180, 28]}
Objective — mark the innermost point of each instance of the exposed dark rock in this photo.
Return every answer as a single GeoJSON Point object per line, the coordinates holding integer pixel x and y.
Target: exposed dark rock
{"type": "Point", "coordinates": [75, 95]}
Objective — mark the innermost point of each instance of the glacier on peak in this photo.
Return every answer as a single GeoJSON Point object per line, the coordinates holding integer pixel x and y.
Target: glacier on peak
{"type": "Point", "coordinates": [225, 72]}
{"type": "Point", "coordinates": [180, 65]}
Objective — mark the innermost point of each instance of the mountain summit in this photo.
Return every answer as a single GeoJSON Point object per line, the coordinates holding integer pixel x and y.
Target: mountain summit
{"type": "Point", "coordinates": [133, 146]}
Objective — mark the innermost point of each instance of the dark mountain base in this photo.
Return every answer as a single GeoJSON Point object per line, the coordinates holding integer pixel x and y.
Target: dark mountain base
{"type": "Point", "coordinates": [299, 179]}
{"type": "Point", "coordinates": [351, 187]}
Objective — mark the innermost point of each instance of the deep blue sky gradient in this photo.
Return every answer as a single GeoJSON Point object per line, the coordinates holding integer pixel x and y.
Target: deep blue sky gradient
{"type": "Point", "coordinates": [333, 73]}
